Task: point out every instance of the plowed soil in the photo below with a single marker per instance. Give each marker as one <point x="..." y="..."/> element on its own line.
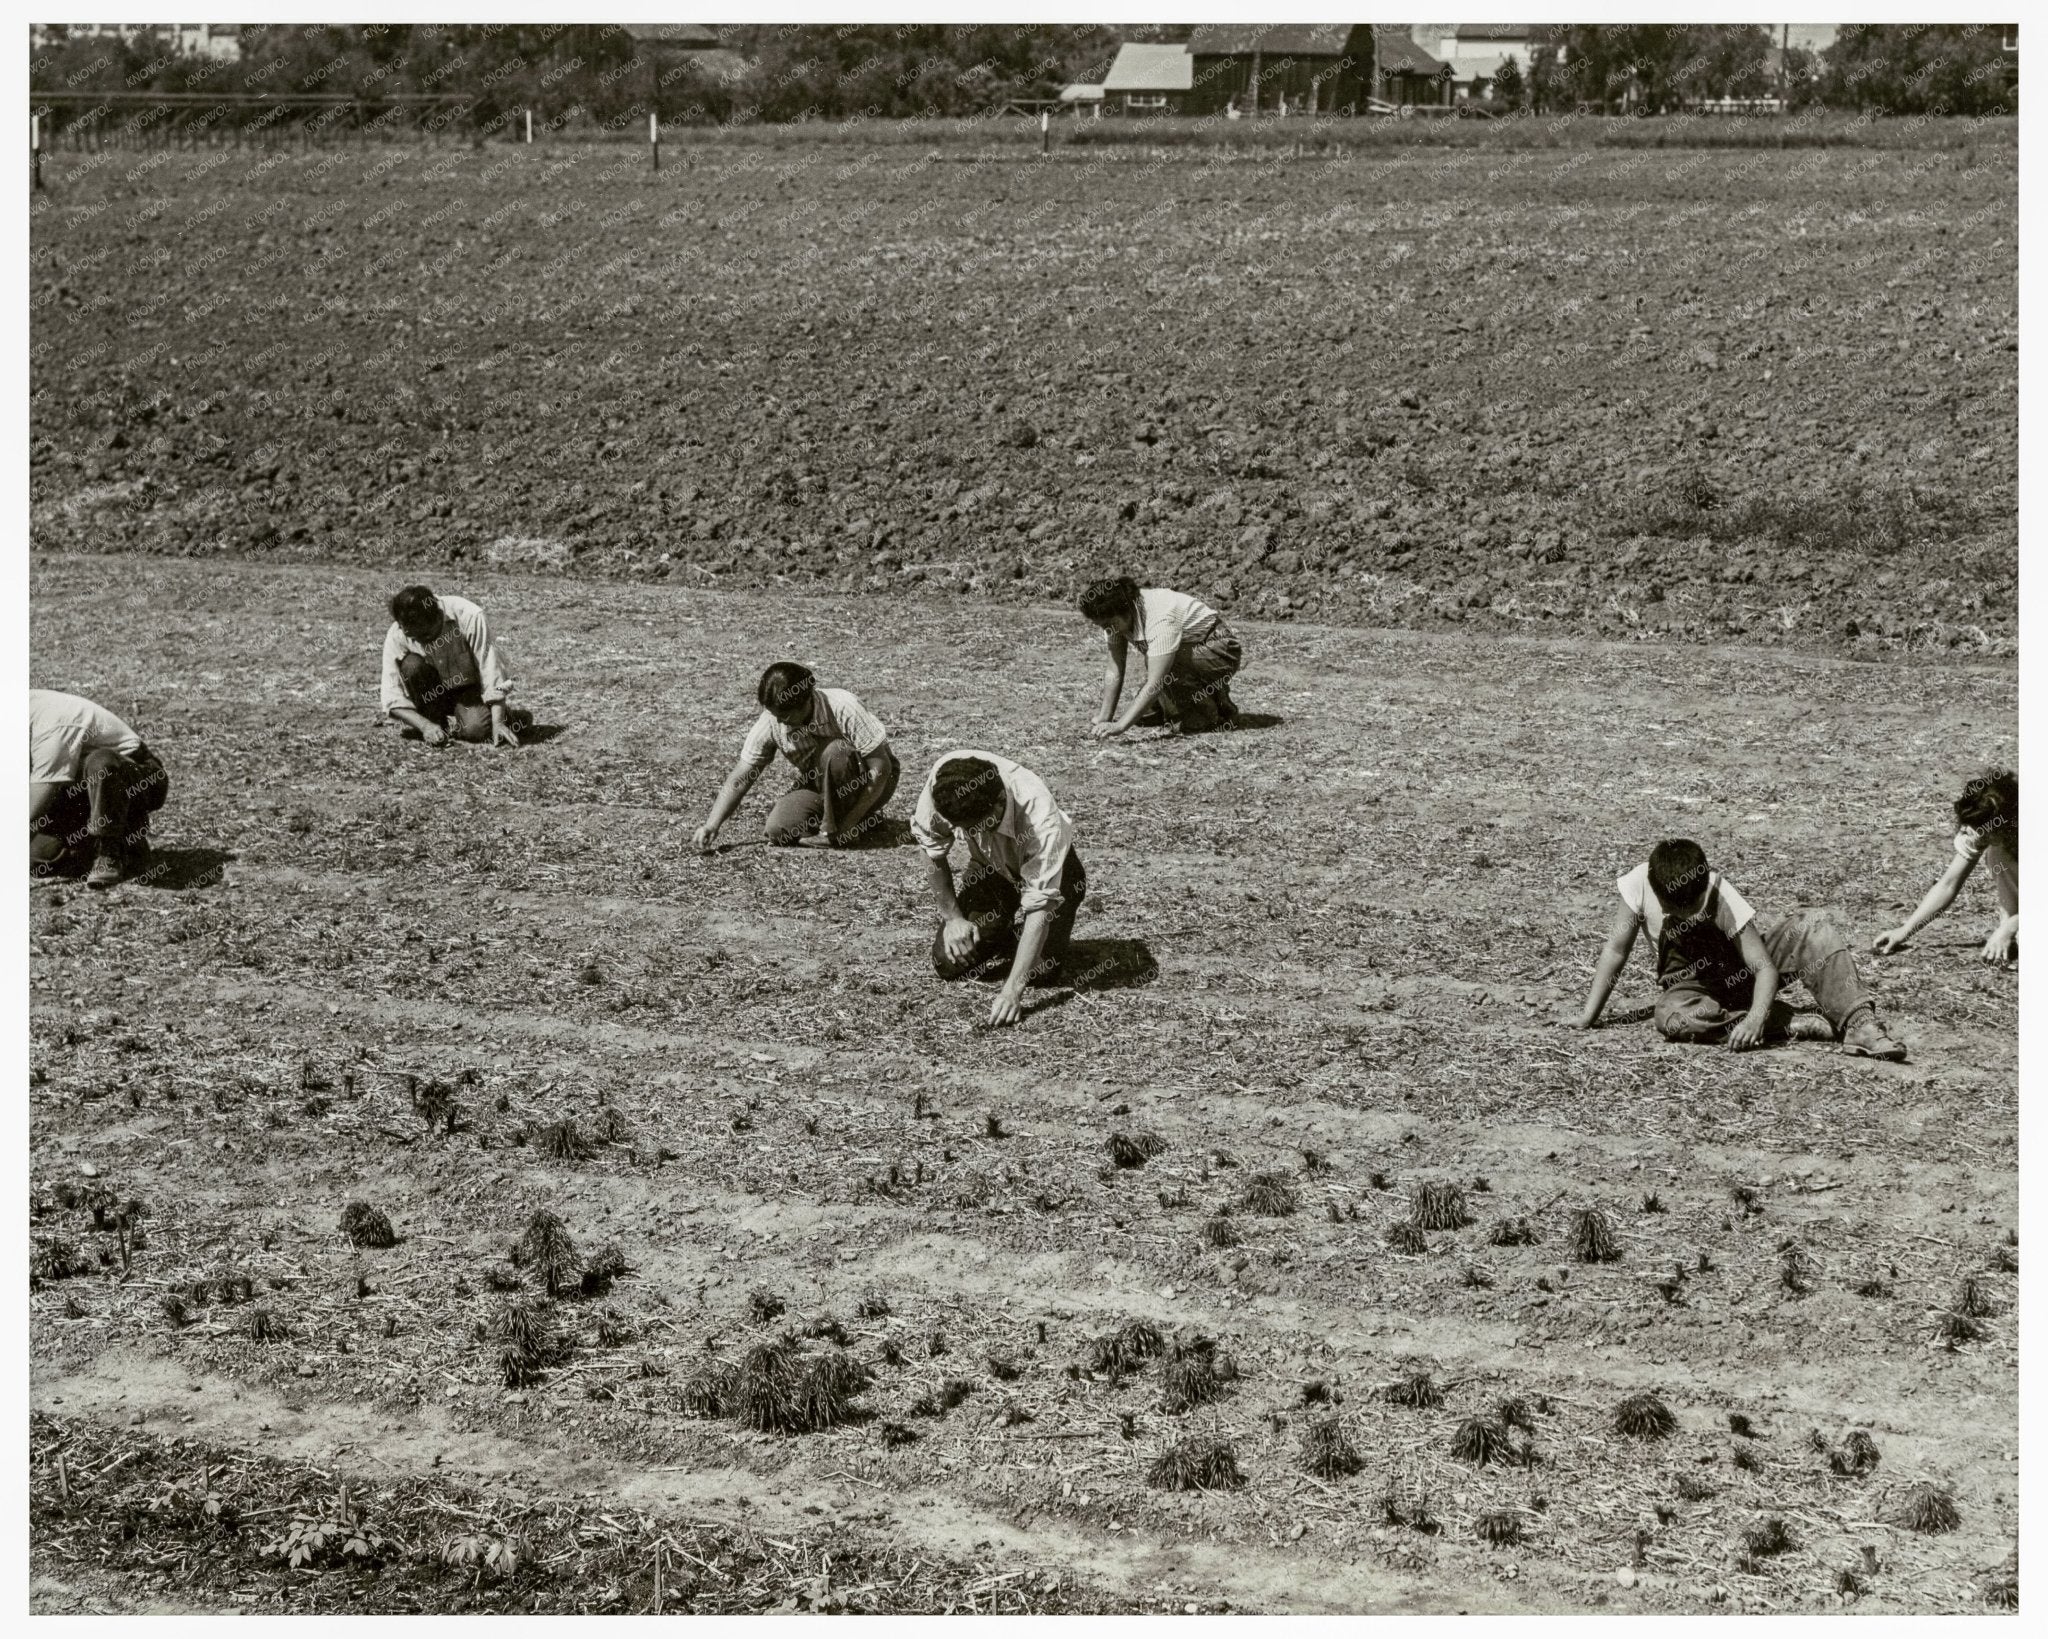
<point x="1329" y="946"/>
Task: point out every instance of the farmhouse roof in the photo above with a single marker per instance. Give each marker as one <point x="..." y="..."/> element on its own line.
<point x="679" y="36"/>
<point x="721" y="65"/>
<point x="1081" y="93"/>
<point x="1397" y="54"/>
<point x="1271" y="39"/>
<point x="1150" y="68"/>
<point x="1503" y="31"/>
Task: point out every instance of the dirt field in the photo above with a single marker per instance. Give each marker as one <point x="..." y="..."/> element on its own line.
<point x="1760" y="396"/>
<point x="1344" y="929"/>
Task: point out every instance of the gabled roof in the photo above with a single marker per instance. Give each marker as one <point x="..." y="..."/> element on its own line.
<point x="1270" y="39"/>
<point x="1150" y="68"/>
<point x="1397" y="54"/>
<point x="1503" y="31"/>
<point x="678" y="36"/>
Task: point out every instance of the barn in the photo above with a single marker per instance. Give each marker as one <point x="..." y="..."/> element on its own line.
<point x="1280" y="68"/>
<point x="1407" y="76"/>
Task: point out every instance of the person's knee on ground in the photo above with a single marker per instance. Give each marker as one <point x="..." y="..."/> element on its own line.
<point x="796" y="815"/>
<point x="471" y="723"/>
<point x="1690" y="1018"/>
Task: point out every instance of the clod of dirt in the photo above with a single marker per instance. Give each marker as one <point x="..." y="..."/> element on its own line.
<point x="1501" y="1528"/>
<point x="1591" y="1237"/>
<point x="547" y="1248"/>
<point x="1644" y="1417"/>
<point x="1196" y="1464"/>
<point x="1512" y="1232"/>
<point x="1407" y="1238"/>
<point x="603" y="1266"/>
<point x="1929" y="1509"/>
<point x="1128" y="1150"/>
<point x="1326" y="1453"/>
<point x="1417" y="1390"/>
<point x="1270" y="1194"/>
<point x="1438" y="1206"/>
<point x="175" y="1309"/>
<point x="764" y="1305"/>
<point x="366" y="1226"/>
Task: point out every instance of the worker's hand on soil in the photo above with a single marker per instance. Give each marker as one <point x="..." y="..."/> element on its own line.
<point x="2000" y="946"/>
<point x="1104" y="731"/>
<point x="958" y="938"/>
<point x="504" y="734"/>
<point x="1894" y="939"/>
<point x="1007" y="1008"/>
<point x="1745" y="1034"/>
<point x="705" y="839"/>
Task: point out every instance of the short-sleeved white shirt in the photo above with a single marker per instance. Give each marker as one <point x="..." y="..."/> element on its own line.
<point x="835" y="715"/>
<point x="62" y="728"/>
<point x="1731" y="911"/>
<point x="1999" y="848"/>
<point x="1167" y="619"/>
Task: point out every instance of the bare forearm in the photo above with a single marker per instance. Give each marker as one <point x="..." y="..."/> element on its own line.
<point x="412" y="719"/>
<point x="869" y="797"/>
<point x="1112" y="686"/>
<point x="1030" y="942"/>
<point x="1604" y="975"/>
<point x="730" y="796"/>
<point x="1938" y="899"/>
<point x="939" y="874"/>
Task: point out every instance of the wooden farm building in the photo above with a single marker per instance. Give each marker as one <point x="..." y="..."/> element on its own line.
<point x="1149" y="79"/>
<point x="1280" y="68"/>
<point x="1407" y="76"/>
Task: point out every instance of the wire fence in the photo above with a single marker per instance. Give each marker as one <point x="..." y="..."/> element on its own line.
<point x="87" y="121"/>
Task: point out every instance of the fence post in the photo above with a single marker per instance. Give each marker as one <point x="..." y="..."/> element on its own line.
<point x="529" y="128"/>
<point x="1044" y="132"/>
<point x="35" y="149"/>
<point x="654" y="136"/>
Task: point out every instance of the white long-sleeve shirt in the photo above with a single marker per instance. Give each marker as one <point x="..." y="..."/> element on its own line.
<point x="476" y="632"/>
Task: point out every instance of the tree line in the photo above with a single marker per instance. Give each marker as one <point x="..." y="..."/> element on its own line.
<point x="601" y="75"/>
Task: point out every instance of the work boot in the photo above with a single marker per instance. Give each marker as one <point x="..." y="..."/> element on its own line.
<point x="1865" y="1038"/>
<point x="106" y="866"/>
<point x="1226" y="708"/>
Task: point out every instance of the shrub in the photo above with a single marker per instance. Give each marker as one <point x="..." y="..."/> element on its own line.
<point x="777" y="1390"/>
<point x="550" y="1251"/>
<point x="1407" y="1238"/>
<point x="1188" y="1380"/>
<point x="1126" y="1150"/>
<point x="1480" y="1440"/>
<point x="1512" y="1232"/>
<point x="1415" y="1389"/>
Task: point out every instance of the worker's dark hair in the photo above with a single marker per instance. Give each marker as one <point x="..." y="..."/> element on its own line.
<point x="415" y="608"/>
<point x="968" y="792"/>
<point x="786" y="684"/>
<point x="1678" y="870"/>
<point x="1103" y="600"/>
<point x="1991" y="799"/>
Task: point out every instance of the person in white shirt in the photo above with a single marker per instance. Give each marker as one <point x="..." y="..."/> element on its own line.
<point x="1190" y="657"/>
<point x="845" y="769"/>
<point x="1987" y="830"/>
<point x="92" y="785"/>
<point x="1718" y="974"/>
<point x="1022" y="865"/>
<point x="444" y="676"/>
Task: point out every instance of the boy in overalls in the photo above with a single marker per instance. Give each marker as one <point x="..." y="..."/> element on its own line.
<point x="443" y="676"/>
<point x="1718" y="974"/>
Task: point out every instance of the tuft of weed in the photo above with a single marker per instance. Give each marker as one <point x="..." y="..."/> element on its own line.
<point x="1973" y="1298"/>
<point x="1929" y="1509"/>
<point x="1797" y="1270"/>
<point x="1480" y="1441"/>
<point x="1652" y="1204"/>
<point x="1954" y="1329"/>
<point x="1407" y="1238"/>
<point x="1514" y="1412"/>
<point x="1379" y="1180"/>
<point x="892" y="1352"/>
<point x="1501" y="1528"/>
<point x="1857" y="1456"/>
<point x="562" y="1141"/>
<point x="1326" y="1452"/>
<point x="954" y="1391"/>
<point x="502" y="1277"/>
<point x="1313" y="1162"/>
<point x="1740" y="1425"/>
<point x="2001" y="1585"/>
<point x="524" y="1337"/>
<point x="1128" y="1150"/>
<point x="992" y="1125"/>
<point x="1511" y="1232"/>
<point x="1271" y="1195"/>
<point x="1767" y="1538"/>
<point x="1416" y="1390"/>
<point x="1644" y="1417"/>
<point x="1438" y="1206"/>
<point x="1315" y="1393"/>
<point x="1695" y="1487"/>
<point x="1871" y="1286"/>
<point x="1125" y="1350"/>
<point x="1746" y="1198"/>
<point x="873" y="1305"/>
<point x="764" y="1305"/>
<point x="1745" y="1458"/>
<point x="777" y="1389"/>
<point x="1003" y="1369"/>
<point x="1848" y="1582"/>
<point x="1219" y="1231"/>
<point x="1475" y="1277"/>
<point x="1591" y="1237"/>
<point x="610" y="1126"/>
<point x="898" y="1434"/>
<point x="50" y="1260"/>
<point x="1189" y="1379"/>
<point x="264" y="1327"/>
<point x="549" y="1250"/>
<point x="176" y="1310"/>
<point x="433" y="1101"/>
<point x="2005" y="1260"/>
<point x="613" y="1329"/>
<point x="1196" y="1464"/>
<point x="366" y="1226"/>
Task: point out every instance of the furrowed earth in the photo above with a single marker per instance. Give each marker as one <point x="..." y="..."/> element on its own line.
<point x="1346" y="929"/>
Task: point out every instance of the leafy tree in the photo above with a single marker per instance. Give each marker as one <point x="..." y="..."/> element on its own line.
<point x="1921" y="68"/>
<point x="1508" y="88"/>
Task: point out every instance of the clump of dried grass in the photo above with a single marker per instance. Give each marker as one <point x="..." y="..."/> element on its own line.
<point x="764" y="1305"/>
<point x="1644" y="1417"/>
<point x="1929" y="1509"/>
<point x="1480" y="1441"/>
<point x="1797" y="1269"/>
<point x="1501" y="1528"/>
<point x="1271" y="1195"/>
<point x="525" y="1340"/>
<point x="873" y="1305"/>
<point x="549" y="1250"/>
<point x="1512" y="1232"/>
<point x="1407" y="1238"/>
<point x="1415" y="1389"/>
<point x="1219" y="1231"/>
<point x="1196" y="1464"/>
<point x="777" y="1389"/>
<point x="2001" y="1584"/>
<point x="1438" y="1206"/>
<point x="1326" y="1452"/>
<point x="1134" y="1150"/>
<point x="562" y="1141"/>
<point x="1125" y="1350"/>
<point x="1189" y="1379"/>
<point x="1857" y="1456"/>
<point x="1591" y="1237"/>
<point x="264" y="1327"/>
<point x="1973" y="1298"/>
<point x="366" y="1226"/>
<point x="1765" y="1539"/>
<point x="1695" y="1487"/>
<point x="600" y="1269"/>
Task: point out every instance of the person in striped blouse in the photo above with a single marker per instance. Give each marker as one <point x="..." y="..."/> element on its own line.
<point x="1190" y="653"/>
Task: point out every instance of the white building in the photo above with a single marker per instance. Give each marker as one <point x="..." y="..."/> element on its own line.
<point x="218" y="40"/>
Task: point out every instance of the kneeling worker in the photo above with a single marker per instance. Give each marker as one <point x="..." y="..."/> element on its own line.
<point x="443" y="674"/>
<point x="92" y="785"/>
